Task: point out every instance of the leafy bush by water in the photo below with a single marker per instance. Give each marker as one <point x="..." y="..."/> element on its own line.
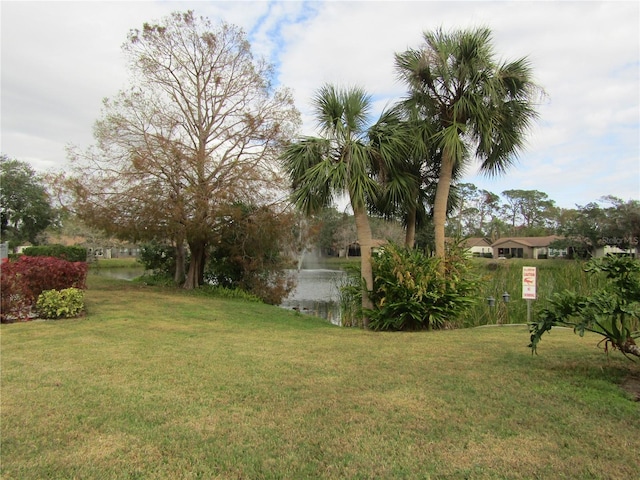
<point x="409" y="293"/>
<point x="158" y="257"/>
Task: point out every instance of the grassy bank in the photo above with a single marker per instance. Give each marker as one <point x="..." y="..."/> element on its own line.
<point x="157" y="383"/>
<point x="116" y="263"/>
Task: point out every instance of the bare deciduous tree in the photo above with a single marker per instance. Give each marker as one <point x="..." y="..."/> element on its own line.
<point x="201" y="126"/>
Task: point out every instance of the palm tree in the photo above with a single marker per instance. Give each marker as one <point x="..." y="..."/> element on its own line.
<point x="341" y="161"/>
<point x="402" y="176"/>
<point x="411" y="180"/>
<point x="477" y="105"/>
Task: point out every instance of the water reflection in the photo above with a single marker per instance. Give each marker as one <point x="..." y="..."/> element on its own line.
<point x="317" y="293"/>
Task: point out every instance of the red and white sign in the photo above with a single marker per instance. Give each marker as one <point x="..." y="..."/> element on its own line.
<point x="529" y="281"/>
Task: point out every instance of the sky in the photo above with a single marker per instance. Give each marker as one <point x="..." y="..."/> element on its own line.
<point x="60" y="59"/>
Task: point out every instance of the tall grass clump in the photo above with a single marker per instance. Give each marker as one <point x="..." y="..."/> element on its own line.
<point x="350" y="298"/>
<point x="505" y="276"/>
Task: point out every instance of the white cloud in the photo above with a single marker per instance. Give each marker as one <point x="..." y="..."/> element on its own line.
<point x="59" y="59"/>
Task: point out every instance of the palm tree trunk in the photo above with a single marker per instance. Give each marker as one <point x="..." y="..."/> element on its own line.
<point x="410" y="234"/>
<point x="363" y="230"/>
<point x="629" y="346"/>
<point x="440" y="204"/>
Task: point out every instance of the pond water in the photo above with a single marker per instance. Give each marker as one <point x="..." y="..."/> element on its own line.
<point x="317" y="293"/>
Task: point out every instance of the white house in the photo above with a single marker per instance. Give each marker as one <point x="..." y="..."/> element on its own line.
<point x="478" y="247"/>
<point x="613" y="250"/>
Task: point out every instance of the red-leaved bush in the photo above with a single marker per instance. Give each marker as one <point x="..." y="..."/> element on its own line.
<point x="23" y="280"/>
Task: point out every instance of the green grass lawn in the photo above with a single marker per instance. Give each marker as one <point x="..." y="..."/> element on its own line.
<point x="129" y="262"/>
<point x="160" y="384"/>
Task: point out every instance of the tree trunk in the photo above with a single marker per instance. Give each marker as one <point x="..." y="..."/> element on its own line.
<point x="630" y="347"/>
<point x="459" y="232"/>
<point x="178" y="277"/>
<point x="410" y="234"/>
<point x="195" y="275"/>
<point x="363" y="230"/>
<point x="440" y="204"/>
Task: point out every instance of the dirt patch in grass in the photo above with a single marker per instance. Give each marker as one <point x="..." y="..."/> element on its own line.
<point x="631" y="385"/>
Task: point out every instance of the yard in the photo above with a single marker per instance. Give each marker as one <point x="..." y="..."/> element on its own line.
<point x="165" y="384"/>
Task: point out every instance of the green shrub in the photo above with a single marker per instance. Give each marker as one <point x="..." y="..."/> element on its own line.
<point x="409" y="292"/>
<point x="22" y="281"/>
<point x="71" y="254"/>
<point x="612" y="311"/>
<point x="159" y="258"/>
<point x="247" y="253"/>
<point x="60" y="303"/>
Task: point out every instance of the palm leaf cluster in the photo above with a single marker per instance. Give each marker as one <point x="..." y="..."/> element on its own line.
<point x="471" y="105"/>
<point x="341" y="159"/>
<point x="461" y="103"/>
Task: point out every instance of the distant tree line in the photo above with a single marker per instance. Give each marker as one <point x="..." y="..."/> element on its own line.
<point x="29" y="211"/>
<point x="515" y="213"/>
<point x="523" y="213"/>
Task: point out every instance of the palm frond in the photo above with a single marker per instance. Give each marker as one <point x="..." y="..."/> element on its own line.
<point x="298" y="157"/>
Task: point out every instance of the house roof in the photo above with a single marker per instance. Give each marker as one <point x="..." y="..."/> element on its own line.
<point x="470" y="242"/>
<point x="527" y="241"/>
<point x="476" y="242"/>
<point x="67" y="240"/>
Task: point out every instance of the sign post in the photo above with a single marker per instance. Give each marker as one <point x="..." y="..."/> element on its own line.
<point x="529" y="283"/>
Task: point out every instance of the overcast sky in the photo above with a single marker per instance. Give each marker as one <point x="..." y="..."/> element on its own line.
<point x="60" y="59"/>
